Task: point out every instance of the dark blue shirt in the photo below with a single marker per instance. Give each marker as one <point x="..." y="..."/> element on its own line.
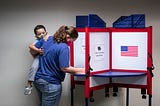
<point x="55" y="57"/>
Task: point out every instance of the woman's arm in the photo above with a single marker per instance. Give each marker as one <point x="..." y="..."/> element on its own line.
<point x="73" y="70"/>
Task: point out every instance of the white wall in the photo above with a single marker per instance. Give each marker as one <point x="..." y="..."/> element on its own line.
<point x="19" y="17"/>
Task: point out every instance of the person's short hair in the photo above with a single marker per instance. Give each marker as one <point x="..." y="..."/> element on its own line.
<point x="38" y="27"/>
<point x="60" y="35"/>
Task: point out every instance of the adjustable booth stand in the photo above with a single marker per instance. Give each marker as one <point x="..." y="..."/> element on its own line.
<point x="112" y="57"/>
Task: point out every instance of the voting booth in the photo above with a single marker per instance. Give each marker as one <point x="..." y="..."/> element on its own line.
<point x="112" y="57"/>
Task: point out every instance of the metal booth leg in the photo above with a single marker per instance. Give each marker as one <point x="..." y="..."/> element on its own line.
<point x="127" y="96"/>
<point x="150" y="100"/>
<point x="86" y="101"/>
<point x="72" y="97"/>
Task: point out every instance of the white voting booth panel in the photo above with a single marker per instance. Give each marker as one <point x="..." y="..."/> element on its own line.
<point x="129" y="50"/>
<point x="79" y="50"/>
<point x="99" y="51"/>
<point x="138" y="80"/>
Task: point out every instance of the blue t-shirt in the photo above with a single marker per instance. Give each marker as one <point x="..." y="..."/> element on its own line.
<point x="55" y="57"/>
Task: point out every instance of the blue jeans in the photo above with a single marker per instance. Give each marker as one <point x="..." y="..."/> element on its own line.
<point x="49" y="94"/>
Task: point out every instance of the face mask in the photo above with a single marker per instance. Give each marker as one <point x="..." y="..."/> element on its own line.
<point x="68" y="43"/>
<point x="42" y="35"/>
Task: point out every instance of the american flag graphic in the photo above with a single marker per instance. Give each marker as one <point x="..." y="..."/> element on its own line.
<point x="129" y="51"/>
